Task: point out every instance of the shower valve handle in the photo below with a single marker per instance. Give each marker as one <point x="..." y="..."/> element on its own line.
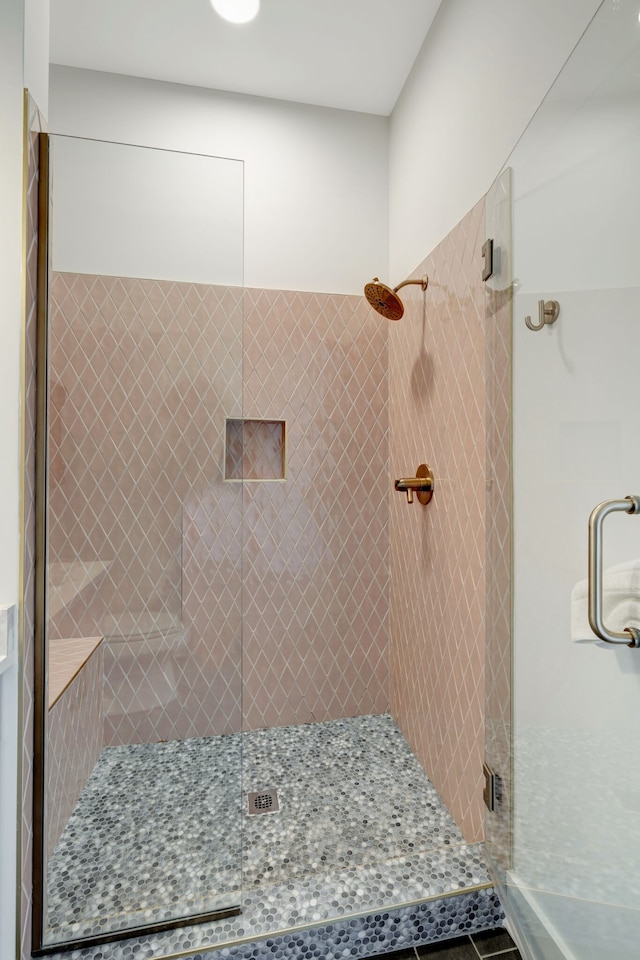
<point x="421" y="484"/>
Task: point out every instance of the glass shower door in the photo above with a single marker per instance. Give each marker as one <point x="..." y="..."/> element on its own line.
<point x="142" y="775"/>
<point x="570" y="876"/>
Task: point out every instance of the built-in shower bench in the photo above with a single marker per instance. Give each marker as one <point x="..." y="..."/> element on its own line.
<point x="75" y="725"/>
<point x="67" y="657"/>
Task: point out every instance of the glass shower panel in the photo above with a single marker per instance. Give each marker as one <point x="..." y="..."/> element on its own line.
<point x="571" y="882"/>
<point x="144" y="601"/>
<point x="498" y="662"/>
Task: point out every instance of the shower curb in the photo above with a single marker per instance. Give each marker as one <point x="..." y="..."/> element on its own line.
<point x="431" y="921"/>
<point x="428" y="921"/>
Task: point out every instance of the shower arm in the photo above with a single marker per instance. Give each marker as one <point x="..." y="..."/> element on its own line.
<point x="424" y="283"/>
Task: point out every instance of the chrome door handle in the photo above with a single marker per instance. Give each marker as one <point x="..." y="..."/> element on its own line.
<point x="630" y="637"/>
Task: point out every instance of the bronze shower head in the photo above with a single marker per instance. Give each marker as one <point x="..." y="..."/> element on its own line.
<point x="385" y="300"/>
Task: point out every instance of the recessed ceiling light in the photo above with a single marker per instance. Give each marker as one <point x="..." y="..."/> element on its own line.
<point x="236" y="11"/>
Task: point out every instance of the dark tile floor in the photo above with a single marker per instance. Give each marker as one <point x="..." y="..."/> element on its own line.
<point x="477" y="946"/>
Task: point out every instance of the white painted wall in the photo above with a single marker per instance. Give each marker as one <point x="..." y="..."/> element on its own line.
<point x="133" y="212"/>
<point x="11" y="80"/>
<point x="316" y="214"/>
<point x="317" y="180"/>
<point x="481" y="74"/>
<point x="10" y="286"/>
<point x="576" y="211"/>
<point x="36" y="52"/>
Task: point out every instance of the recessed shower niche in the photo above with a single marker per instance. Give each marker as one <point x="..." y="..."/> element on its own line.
<point x="255" y="449"/>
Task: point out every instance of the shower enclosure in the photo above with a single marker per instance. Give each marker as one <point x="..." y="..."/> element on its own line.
<point x="563" y="837"/>
<point x="217" y="596"/>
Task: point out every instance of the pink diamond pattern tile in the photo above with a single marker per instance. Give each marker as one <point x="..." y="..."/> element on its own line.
<point x="437" y="415"/>
<point x="316" y="581"/>
<point x="313" y="551"/>
<point x="234" y="450"/>
<point x="34" y="125"/>
<point x="74" y="741"/>
<point x="143" y="374"/>
<point x="212" y="604"/>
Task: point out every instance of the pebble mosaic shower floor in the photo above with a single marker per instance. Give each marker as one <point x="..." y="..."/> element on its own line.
<point x="161" y="831"/>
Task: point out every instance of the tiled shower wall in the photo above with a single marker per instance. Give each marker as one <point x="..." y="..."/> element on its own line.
<point x="316" y="577"/>
<point x="148" y="542"/>
<point x="145" y="538"/>
<point x="437" y="415"/>
<point x="316" y="556"/>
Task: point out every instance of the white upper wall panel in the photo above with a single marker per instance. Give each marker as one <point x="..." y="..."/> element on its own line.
<point x="133" y="212"/>
<point x="316" y="179"/>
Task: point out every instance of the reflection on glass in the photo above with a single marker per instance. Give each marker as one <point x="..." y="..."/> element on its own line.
<point x="576" y="780"/>
<point x="144" y="597"/>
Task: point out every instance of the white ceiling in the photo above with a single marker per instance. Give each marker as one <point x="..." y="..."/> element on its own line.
<point x="349" y="54"/>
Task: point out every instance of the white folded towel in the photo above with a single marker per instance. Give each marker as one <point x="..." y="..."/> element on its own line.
<point x="620" y="601"/>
